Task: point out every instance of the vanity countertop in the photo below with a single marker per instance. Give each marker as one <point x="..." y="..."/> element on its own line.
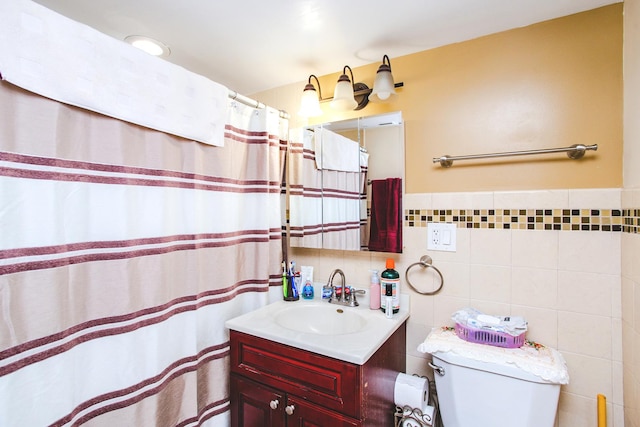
<point x="353" y="343"/>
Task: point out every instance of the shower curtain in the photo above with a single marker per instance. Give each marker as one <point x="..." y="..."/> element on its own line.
<point x="324" y="203"/>
<point x="305" y="191"/>
<point x="123" y="251"/>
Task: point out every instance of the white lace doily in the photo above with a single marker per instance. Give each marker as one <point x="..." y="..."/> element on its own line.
<point x="544" y="362"/>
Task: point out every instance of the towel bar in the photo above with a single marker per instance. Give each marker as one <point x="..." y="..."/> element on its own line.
<point x="425" y="262"/>
<point x="574" y="152"/>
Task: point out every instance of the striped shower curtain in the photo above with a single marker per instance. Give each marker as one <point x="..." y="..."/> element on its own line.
<point x="324" y="204"/>
<point x="122" y="252"/>
<point x="305" y="191"/>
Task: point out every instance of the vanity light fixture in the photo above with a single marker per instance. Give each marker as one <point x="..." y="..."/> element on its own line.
<point x="384" y="88"/>
<point x="349" y="95"/>
<point x="343" y="97"/>
<point x="149" y="45"/>
<point x="310" y="102"/>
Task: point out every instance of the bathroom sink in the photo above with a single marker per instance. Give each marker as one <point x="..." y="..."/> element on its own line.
<point x="351" y="334"/>
<point x="321" y="319"/>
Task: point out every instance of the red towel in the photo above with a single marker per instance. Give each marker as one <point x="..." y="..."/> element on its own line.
<point x="386" y="215"/>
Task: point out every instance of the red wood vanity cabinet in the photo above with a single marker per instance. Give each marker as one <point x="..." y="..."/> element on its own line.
<point x="276" y="385"/>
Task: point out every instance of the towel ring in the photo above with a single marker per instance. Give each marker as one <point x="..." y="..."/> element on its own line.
<point x="425" y="262"/>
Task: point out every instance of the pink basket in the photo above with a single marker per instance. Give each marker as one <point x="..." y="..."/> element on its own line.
<point x="484" y="336"/>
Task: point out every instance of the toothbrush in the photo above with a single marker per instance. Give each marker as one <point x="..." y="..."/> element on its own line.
<point x="284" y="279"/>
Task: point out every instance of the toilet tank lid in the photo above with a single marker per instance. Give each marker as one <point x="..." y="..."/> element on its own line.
<point x="541" y="361"/>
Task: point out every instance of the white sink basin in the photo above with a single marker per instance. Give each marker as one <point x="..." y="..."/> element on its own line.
<point x="351" y="334"/>
<point x="324" y="319"/>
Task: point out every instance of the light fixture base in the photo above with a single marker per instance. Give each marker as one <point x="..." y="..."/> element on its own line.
<point x="361" y="99"/>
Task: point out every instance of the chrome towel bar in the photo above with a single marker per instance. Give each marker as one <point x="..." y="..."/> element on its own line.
<point x="574" y="152"/>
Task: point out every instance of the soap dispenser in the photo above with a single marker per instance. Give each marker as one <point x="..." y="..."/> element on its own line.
<point x="374" y="291"/>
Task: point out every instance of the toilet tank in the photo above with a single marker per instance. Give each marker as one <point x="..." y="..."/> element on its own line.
<point x="474" y="393"/>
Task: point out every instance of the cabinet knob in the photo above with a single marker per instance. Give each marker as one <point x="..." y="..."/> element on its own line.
<point x="274" y="404"/>
<point x="289" y="409"/>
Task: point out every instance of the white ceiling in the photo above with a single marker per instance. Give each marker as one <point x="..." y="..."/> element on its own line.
<point x="254" y="45"/>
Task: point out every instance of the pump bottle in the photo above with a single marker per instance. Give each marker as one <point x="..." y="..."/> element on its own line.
<point x="374" y="291"/>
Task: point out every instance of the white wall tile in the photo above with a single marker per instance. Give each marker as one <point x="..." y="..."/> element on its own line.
<point x="418" y="366"/>
<point x="490" y="247"/>
<point x="414" y="240"/>
<point x="416" y="334"/>
<point x="588" y="375"/>
<point x="617" y="396"/>
<point x="534" y="287"/>
<point x="444" y="307"/>
<point x="456" y="279"/>
<point x="588" y="293"/>
<point x="417" y="201"/>
<point x="595" y="198"/>
<point x="422" y="308"/>
<point x="543" y="324"/>
<point x="535" y="248"/>
<point x="590" y="251"/>
<point x="576" y="411"/>
<point x="490" y="283"/>
<point x="462" y="200"/>
<point x="482" y="200"/>
<point x="546" y="199"/>
<point x="584" y="334"/>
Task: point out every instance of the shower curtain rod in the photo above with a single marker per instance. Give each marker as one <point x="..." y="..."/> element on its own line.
<point x="252" y="102"/>
<point x="574" y="152"/>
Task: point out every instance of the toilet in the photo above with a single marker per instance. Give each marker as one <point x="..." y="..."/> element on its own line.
<point x="482" y="385"/>
<point x="474" y="393"/>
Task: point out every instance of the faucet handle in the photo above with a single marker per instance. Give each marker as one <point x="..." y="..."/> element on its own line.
<point x="354" y="292"/>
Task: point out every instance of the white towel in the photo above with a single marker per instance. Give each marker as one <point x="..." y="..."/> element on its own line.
<point x="56" y="57"/>
<point x="336" y="152"/>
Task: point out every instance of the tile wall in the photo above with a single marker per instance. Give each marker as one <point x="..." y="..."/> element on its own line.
<point x="631" y="316"/>
<point x="519" y="253"/>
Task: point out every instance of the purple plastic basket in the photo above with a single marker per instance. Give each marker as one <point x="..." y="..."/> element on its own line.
<point x="484" y="336"/>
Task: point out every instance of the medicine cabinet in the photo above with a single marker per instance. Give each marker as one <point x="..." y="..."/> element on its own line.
<point x="330" y="201"/>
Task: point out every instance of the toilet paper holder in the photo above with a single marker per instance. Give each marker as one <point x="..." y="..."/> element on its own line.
<point x="408" y="416"/>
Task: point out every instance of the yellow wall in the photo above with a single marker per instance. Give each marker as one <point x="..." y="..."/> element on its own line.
<point x="548" y="85"/>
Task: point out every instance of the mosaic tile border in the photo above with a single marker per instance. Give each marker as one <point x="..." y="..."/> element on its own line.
<point x="611" y="220"/>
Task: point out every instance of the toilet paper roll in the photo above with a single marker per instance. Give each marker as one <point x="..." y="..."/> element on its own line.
<point x="427" y="415"/>
<point x="412" y="391"/>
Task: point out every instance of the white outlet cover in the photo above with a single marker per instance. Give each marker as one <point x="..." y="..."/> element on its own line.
<point x="441" y="236"/>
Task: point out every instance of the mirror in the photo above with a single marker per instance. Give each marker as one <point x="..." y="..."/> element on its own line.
<point x="345" y="184"/>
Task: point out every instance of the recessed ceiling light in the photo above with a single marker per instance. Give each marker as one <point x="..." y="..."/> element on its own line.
<point x="149" y="45"/>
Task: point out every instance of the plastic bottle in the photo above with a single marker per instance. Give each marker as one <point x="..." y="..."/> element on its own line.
<point x="390" y="277"/>
<point x="374" y="291"/>
<point x="388" y="300"/>
<point x="307" y="291"/>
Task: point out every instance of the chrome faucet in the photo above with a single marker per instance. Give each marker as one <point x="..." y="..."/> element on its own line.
<point x="343" y="298"/>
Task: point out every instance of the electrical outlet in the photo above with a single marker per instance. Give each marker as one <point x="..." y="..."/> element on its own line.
<point x="435" y="236"/>
<point x="441" y="236"/>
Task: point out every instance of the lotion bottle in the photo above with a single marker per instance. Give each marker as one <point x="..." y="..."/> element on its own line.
<point x="374" y="291"/>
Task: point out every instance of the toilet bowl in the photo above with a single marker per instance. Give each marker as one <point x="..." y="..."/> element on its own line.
<point x="474" y="393"/>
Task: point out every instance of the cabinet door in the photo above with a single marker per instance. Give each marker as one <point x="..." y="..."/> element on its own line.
<point x="301" y="413"/>
<point x="255" y="405"/>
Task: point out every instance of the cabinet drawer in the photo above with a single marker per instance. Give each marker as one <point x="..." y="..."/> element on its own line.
<point x="329" y="382"/>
